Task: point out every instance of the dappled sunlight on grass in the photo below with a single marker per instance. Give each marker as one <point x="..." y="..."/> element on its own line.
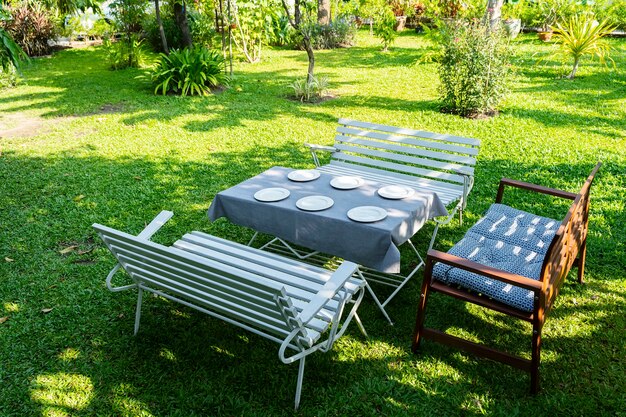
<point x="111" y="152"/>
<point x="69" y="354"/>
<point x="11" y="307"/>
<point x="62" y="393"/>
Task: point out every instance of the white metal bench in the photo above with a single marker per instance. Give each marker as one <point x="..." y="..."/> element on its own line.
<point x="390" y="155"/>
<point x="297" y="305"/>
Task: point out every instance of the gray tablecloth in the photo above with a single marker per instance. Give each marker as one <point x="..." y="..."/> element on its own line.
<point x="330" y="231"/>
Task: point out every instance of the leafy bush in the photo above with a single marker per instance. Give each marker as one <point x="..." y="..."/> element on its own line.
<point x="100" y="29"/>
<point x="189" y="71"/>
<point x="278" y="31"/>
<point x="8" y="76"/>
<point x="202" y="27"/>
<point x="339" y="33"/>
<point x="310" y="92"/>
<point x="615" y="13"/>
<point x="172" y="33"/>
<point x="31" y="27"/>
<point x="124" y="53"/>
<point x="473" y="68"/>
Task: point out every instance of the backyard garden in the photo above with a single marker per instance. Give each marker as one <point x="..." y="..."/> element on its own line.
<point x="81" y="143"/>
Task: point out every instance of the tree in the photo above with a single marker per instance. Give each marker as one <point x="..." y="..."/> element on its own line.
<point x="323" y="12"/>
<point x="493" y="13"/>
<point x="304" y="28"/>
<point x="180" y="17"/>
<point x="157" y="10"/>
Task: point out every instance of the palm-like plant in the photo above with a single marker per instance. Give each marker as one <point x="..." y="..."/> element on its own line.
<point x="581" y="36"/>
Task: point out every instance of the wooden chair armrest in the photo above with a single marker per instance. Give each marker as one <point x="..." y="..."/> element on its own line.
<point x="532" y="187"/>
<point x="336" y="282"/>
<point x="494" y="273"/>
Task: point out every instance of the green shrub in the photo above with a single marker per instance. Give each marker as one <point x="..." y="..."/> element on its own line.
<point x="191" y="71"/>
<point x="8" y="76"/>
<point x="31" y="26"/>
<point x="310" y="92"/>
<point x="172" y="33"/>
<point x="278" y="31"/>
<point x="125" y="53"/>
<point x="473" y="68"/>
<point x="202" y="28"/>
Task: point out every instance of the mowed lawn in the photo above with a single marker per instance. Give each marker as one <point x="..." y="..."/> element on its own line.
<point x="82" y="144"/>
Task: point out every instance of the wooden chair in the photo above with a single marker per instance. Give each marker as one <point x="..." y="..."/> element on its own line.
<point x="513" y="262"/>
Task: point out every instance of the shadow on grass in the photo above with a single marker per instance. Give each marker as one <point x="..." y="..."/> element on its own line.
<point x="80" y="358"/>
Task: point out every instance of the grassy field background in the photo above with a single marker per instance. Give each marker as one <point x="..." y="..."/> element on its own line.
<point x="86" y="144"/>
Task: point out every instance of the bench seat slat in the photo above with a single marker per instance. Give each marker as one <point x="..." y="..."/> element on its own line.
<point x="397" y="167"/>
<point x="439" y="145"/>
<point x="432" y="157"/>
<point x="408" y="159"/>
<point x="447" y="192"/>
<point x="297" y="290"/>
<point x="297" y="268"/>
<point x="255" y="316"/>
<point x="411" y="132"/>
<point x="244" y="285"/>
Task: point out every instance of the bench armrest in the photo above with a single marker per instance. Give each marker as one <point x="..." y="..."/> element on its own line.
<point x="315" y="147"/>
<point x="532" y="187"/>
<point x="336" y="282"/>
<point x="475" y="267"/>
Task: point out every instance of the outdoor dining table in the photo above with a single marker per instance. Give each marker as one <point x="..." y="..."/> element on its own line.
<point x="331" y="231"/>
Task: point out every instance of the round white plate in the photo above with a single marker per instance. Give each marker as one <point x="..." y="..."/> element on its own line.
<point x="346" y="182"/>
<point x="367" y="214"/>
<point x="315" y="203"/>
<point x="395" y="192"/>
<point x="271" y="194"/>
<point x="303" y="175"/>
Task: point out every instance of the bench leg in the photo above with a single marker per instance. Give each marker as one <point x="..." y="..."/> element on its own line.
<point x="299" y="383"/>
<point x="138" y="311"/>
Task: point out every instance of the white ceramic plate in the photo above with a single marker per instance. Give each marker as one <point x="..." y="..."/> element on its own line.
<point x="395" y="192"/>
<point x="367" y="214"/>
<point x="315" y="203"/>
<point x="271" y="194"/>
<point x="346" y="182"/>
<point x="303" y="175"/>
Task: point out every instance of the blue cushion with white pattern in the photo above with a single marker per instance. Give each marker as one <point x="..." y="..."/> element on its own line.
<point x="507" y="239"/>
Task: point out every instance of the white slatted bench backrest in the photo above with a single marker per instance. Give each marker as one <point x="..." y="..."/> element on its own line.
<point x="432" y="157"/>
<point x="225" y="291"/>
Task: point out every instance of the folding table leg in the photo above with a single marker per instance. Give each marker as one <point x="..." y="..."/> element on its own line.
<point x="380" y="306"/>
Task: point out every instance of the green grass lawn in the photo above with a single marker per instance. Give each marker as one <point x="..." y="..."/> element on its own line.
<point x="106" y="150"/>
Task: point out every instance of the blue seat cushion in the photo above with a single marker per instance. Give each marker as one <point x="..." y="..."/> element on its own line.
<point x="507" y="239"/>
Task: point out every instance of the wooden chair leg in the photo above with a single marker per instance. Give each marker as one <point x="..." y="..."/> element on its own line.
<point x="582" y="254"/>
<point x="421" y="309"/>
<point x="536" y="355"/>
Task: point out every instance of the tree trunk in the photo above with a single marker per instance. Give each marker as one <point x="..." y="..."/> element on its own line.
<point x="180" y="16"/>
<point x="306" y="39"/>
<point x="309" y="51"/>
<point x="494" y="13"/>
<point x="323" y="12"/>
<point x="157" y="10"/>
<point x="573" y="73"/>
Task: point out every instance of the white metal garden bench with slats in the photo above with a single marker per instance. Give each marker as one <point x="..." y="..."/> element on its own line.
<point x="440" y="163"/>
<point x="297" y="305"/>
